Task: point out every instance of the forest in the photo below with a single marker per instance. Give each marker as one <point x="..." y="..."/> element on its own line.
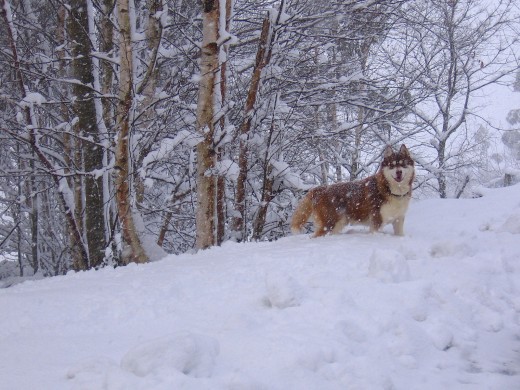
<point x="130" y="129"/>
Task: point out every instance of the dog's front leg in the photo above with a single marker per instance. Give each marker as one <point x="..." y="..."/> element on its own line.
<point x="398" y="225"/>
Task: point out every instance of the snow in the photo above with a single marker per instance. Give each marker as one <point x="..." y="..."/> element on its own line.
<point x="292" y="180"/>
<point x="19" y="117"/>
<point x="436" y="309"/>
<point x="228" y="168"/>
<point x="32" y="98"/>
<point x="162" y="16"/>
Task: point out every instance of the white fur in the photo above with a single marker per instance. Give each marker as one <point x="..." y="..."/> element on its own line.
<point x="395" y="209"/>
<point x="402" y="187"/>
<point x="340" y="225"/>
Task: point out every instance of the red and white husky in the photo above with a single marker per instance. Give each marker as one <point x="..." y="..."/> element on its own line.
<point x="375" y="201"/>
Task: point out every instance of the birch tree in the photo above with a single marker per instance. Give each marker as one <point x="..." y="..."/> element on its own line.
<point x="206" y="153"/>
<point x="133" y="250"/>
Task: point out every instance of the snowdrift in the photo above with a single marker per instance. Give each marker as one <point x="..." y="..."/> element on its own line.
<point x="436" y="309"/>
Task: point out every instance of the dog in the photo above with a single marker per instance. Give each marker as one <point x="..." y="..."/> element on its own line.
<point x="374" y="201"/>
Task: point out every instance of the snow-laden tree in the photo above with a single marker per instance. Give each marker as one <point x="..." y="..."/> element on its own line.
<point x="133" y="250"/>
<point x="446" y="53"/>
<point x="312" y="97"/>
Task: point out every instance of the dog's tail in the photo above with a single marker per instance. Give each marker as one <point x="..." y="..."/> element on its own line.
<point x="301" y="214"/>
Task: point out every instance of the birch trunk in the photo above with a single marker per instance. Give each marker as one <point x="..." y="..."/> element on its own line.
<point x="206" y="154"/>
<point x="133" y="250"/>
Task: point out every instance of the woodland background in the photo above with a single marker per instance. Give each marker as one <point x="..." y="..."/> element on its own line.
<point x="132" y="128"/>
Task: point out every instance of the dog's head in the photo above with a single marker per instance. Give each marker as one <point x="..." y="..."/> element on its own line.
<point x="398" y="169"/>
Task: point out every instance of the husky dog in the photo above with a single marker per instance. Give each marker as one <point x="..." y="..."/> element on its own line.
<point x="375" y="201"/>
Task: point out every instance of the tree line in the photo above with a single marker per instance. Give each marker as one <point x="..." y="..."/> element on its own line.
<point x="135" y="128"/>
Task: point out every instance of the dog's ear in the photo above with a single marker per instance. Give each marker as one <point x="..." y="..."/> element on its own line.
<point x="388" y="151"/>
<point x="404" y="150"/>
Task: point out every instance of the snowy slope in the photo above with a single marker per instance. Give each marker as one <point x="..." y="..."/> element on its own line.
<point x="436" y="309"/>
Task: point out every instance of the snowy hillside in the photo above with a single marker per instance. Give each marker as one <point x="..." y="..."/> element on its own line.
<point x="436" y="309"/>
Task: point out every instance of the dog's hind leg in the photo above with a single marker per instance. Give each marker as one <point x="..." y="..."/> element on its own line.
<point x="320" y="228"/>
<point x="325" y="224"/>
<point x="340" y="224"/>
<point x="301" y="214"/>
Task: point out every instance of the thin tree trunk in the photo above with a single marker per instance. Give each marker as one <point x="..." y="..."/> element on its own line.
<point x="133" y="250"/>
<point x="441" y="176"/>
<point x="32" y="197"/>
<point x="364" y="52"/>
<point x="324" y="165"/>
<point x="103" y="132"/>
<point x="34" y="219"/>
<point x="221" y="180"/>
<point x="18" y="218"/>
<point x="72" y="150"/>
<point x="169" y="214"/>
<point x="147" y="88"/>
<point x="267" y="197"/>
<point x="77" y="186"/>
<point x="358" y="131"/>
<point x="333" y="109"/>
<point x="263" y="56"/>
<point x="267" y="190"/>
<point x="106" y="45"/>
<point x="333" y="118"/>
<point x="153" y="39"/>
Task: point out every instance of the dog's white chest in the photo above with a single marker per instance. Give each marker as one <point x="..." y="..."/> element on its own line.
<point x="395" y="208"/>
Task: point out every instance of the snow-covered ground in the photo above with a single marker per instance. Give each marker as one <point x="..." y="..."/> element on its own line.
<point x="436" y="309"/>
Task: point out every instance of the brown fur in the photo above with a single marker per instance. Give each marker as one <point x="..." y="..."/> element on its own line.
<point x="368" y="201"/>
